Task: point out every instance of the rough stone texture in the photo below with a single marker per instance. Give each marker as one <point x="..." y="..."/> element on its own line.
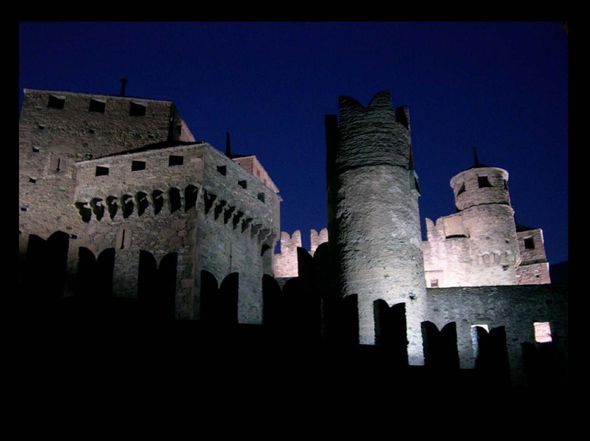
<point x="198" y="233"/>
<point x="376" y="219"/>
<point x="514" y="307"/>
<point x="534" y="268"/>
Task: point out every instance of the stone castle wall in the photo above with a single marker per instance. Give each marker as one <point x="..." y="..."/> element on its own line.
<point x="52" y="140"/>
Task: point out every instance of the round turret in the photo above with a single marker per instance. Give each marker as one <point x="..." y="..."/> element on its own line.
<point x="480" y="185"/>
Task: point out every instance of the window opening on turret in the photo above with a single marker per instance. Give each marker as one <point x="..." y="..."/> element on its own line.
<point x="483" y="181"/>
<point x="36" y="150"/>
<point x="222" y="169"/>
<point x="461" y="190"/>
<point x="529" y="243"/>
<point x="243" y="184"/>
<point x="505" y="184"/>
<point x="261" y="197"/>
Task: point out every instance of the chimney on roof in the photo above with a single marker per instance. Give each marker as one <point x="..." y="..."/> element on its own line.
<point x="123" y="85"/>
<point x="227" y="145"/>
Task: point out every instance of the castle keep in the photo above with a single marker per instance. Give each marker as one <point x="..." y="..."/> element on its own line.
<point x="118" y="200"/>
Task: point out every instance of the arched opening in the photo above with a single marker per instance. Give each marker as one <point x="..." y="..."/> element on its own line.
<point x="190" y="197"/>
<point x="85" y="212"/>
<point x="112" y="206"/>
<point x="97" y="208"/>
<point x="142" y="202"/>
<point x="158" y="200"/>
<point x="175" y="202"/>
<point x="127" y="201"/>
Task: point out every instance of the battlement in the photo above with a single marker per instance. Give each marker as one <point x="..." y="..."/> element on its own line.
<point x="285" y="263"/>
<point x="374" y="135"/>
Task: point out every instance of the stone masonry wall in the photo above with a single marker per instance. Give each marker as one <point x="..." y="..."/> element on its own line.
<point x="514" y="307"/>
<point x="237" y="229"/>
<point x="158" y="233"/>
<point x="52" y="140"/>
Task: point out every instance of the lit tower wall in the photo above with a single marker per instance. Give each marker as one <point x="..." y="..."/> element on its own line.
<point x="373" y="218"/>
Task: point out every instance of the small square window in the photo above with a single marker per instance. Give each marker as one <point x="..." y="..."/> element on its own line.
<point x="32" y="180"/>
<point x="97" y="106"/>
<point x="36" y="150"/>
<point x="56" y="102"/>
<point x="434" y="283"/>
<point x="222" y="169"/>
<point x="137" y="165"/>
<point x="243" y="184"/>
<point x="529" y="243"/>
<point x="102" y="171"/>
<point x="483" y="181"/>
<point x="261" y="197"/>
<point x="137" y="109"/>
<point x="175" y="160"/>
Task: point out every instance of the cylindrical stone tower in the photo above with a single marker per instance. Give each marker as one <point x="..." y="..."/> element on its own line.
<point x="482" y="198"/>
<point x="374" y="224"/>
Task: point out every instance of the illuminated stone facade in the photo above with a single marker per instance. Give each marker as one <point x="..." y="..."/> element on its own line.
<point x="127" y="174"/>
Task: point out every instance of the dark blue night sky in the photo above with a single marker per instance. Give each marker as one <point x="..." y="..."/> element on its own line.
<point x="502" y="87"/>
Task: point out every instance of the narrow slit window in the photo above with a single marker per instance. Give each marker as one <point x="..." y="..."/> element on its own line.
<point x="461" y="190"/>
<point x="137" y="165"/>
<point x="505" y="184"/>
<point x="529" y="243"/>
<point x="483" y="182"/>
<point x="97" y="106"/>
<point x="175" y="160"/>
<point x="56" y="102"/>
<point x="102" y="171"/>
<point x="137" y="109"/>
<point x="261" y="197"/>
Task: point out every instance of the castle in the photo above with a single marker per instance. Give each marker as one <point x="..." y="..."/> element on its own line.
<point x="118" y="199"/>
